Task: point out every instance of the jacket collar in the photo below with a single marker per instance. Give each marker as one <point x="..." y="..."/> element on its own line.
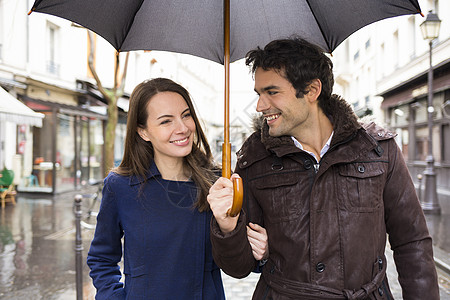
<point x="152" y="172"/>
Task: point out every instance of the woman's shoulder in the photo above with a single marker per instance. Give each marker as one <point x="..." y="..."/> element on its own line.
<point x="116" y="181"/>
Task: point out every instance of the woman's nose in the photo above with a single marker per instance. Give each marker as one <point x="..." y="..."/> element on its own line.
<point x="181" y="126"/>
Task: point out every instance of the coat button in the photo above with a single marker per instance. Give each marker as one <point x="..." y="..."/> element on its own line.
<point x="244" y="163"/>
<point x="320" y="267"/>
<point x="307" y="164"/>
<point x="380" y="291"/>
<point x="361" y="169"/>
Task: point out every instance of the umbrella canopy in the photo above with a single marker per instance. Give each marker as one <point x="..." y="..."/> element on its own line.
<point x="197" y="27"/>
<point x="222" y="31"/>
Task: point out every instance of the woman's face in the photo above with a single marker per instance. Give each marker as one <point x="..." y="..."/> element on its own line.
<point x="170" y="126"/>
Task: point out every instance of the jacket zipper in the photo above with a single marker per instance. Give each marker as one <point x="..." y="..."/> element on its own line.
<point x="316" y="167"/>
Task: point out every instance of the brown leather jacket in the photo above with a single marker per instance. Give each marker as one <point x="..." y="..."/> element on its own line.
<point x="327" y="223"/>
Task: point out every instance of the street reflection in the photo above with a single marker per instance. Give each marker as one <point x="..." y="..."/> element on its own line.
<point x="37" y="256"/>
<point x="439" y="225"/>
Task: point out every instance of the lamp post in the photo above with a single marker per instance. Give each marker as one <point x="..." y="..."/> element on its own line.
<point x="430" y="31"/>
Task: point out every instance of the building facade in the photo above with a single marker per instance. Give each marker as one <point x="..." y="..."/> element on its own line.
<point x="44" y="65"/>
<point x="382" y="70"/>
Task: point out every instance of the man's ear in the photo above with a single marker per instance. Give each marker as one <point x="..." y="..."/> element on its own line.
<point x="143" y="134"/>
<point x="314" y="89"/>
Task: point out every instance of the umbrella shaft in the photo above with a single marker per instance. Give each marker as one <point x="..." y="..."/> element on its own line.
<point x="226" y="147"/>
<point x="226" y="160"/>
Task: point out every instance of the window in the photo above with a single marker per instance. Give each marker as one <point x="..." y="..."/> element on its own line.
<point x="381" y="62"/>
<point x="400" y="116"/>
<point x="367" y="44"/>
<point x="395" y="50"/>
<point x="446" y="143"/>
<point x="52" y="51"/>
<point x="422" y="143"/>
<point x="402" y="140"/>
<point x="1" y="30"/>
<point x="412" y="37"/>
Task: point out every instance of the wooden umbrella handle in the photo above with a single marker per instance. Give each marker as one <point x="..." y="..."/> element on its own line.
<point x="238" y="196"/>
<point x="238" y="187"/>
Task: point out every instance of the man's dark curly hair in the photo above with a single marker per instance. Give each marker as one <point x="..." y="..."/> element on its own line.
<point x="299" y="62"/>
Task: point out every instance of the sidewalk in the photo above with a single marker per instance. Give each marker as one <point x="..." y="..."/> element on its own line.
<point x="37" y="256"/>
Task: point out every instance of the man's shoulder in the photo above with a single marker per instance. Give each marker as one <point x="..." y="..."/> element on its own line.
<point x="252" y="149"/>
<point x="252" y="143"/>
<point x="378" y="132"/>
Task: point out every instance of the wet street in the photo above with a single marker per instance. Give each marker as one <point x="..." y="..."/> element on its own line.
<point x="37" y="256"/>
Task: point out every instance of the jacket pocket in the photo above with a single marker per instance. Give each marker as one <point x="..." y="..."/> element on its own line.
<point x="361" y="185"/>
<point x="137" y="280"/>
<point x="278" y="196"/>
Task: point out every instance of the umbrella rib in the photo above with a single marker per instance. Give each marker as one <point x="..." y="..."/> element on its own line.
<point x="320" y="27"/>
<point x="416" y="5"/>
<point x="34" y="6"/>
<point x="129" y="26"/>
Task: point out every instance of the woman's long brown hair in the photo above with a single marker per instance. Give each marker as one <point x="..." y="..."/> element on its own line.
<point x="139" y="154"/>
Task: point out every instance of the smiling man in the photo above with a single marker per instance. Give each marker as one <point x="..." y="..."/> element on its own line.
<point x="327" y="189"/>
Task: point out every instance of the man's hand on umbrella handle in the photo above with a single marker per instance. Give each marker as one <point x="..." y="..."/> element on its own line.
<point x="220" y="199"/>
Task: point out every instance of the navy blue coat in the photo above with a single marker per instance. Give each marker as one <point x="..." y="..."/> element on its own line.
<point x="166" y="245"/>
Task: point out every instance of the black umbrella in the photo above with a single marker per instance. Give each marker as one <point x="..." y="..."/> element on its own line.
<point x="221" y="32"/>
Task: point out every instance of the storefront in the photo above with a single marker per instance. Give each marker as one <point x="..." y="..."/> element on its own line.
<point x="406" y="112"/>
<point x="67" y="150"/>
<point x="16" y="139"/>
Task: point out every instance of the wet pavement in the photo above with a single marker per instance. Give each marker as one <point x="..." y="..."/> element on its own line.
<point x="37" y="251"/>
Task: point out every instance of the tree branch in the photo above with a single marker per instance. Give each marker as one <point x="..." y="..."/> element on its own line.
<point x="92" y="67"/>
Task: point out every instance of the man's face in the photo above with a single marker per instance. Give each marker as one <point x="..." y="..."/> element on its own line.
<point x="284" y="112"/>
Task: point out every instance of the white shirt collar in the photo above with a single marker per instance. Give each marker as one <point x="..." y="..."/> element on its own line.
<point x="324" y="150"/>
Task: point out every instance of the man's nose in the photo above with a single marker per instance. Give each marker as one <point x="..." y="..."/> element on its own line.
<point x="262" y="104"/>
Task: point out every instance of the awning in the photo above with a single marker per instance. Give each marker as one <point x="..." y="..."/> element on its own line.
<point x="12" y="110"/>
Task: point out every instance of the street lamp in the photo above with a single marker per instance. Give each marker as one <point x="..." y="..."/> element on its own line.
<point x="430" y="31"/>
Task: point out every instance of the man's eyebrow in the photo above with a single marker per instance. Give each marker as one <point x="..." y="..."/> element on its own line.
<point x="270" y="87"/>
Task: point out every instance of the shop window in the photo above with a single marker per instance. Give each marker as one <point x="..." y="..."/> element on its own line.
<point x="65" y="154"/>
<point x="40" y="179"/>
<point x="96" y="149"/>
<point x="402" y="140"/>
<point x="400" y="116"/>
<point x="84" y="149"/>
<point x="119" y="146"/>
<point x="446" y="143"/>
<point x="422" y="143"/>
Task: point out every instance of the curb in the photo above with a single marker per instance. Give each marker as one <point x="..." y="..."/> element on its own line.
<point x="441" y="259"/>
<point x="442" y="265"/>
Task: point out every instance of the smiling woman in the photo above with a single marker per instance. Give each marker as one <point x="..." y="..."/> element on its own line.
<point x="170" y="128"/>
<point x="156" y="200"/>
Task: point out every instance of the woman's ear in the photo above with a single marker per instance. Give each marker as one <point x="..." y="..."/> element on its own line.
<point x="143" y="134"/>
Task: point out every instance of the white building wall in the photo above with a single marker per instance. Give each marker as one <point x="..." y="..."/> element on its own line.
<point x="27" y="52"/>
<point x="397" y="53"/>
